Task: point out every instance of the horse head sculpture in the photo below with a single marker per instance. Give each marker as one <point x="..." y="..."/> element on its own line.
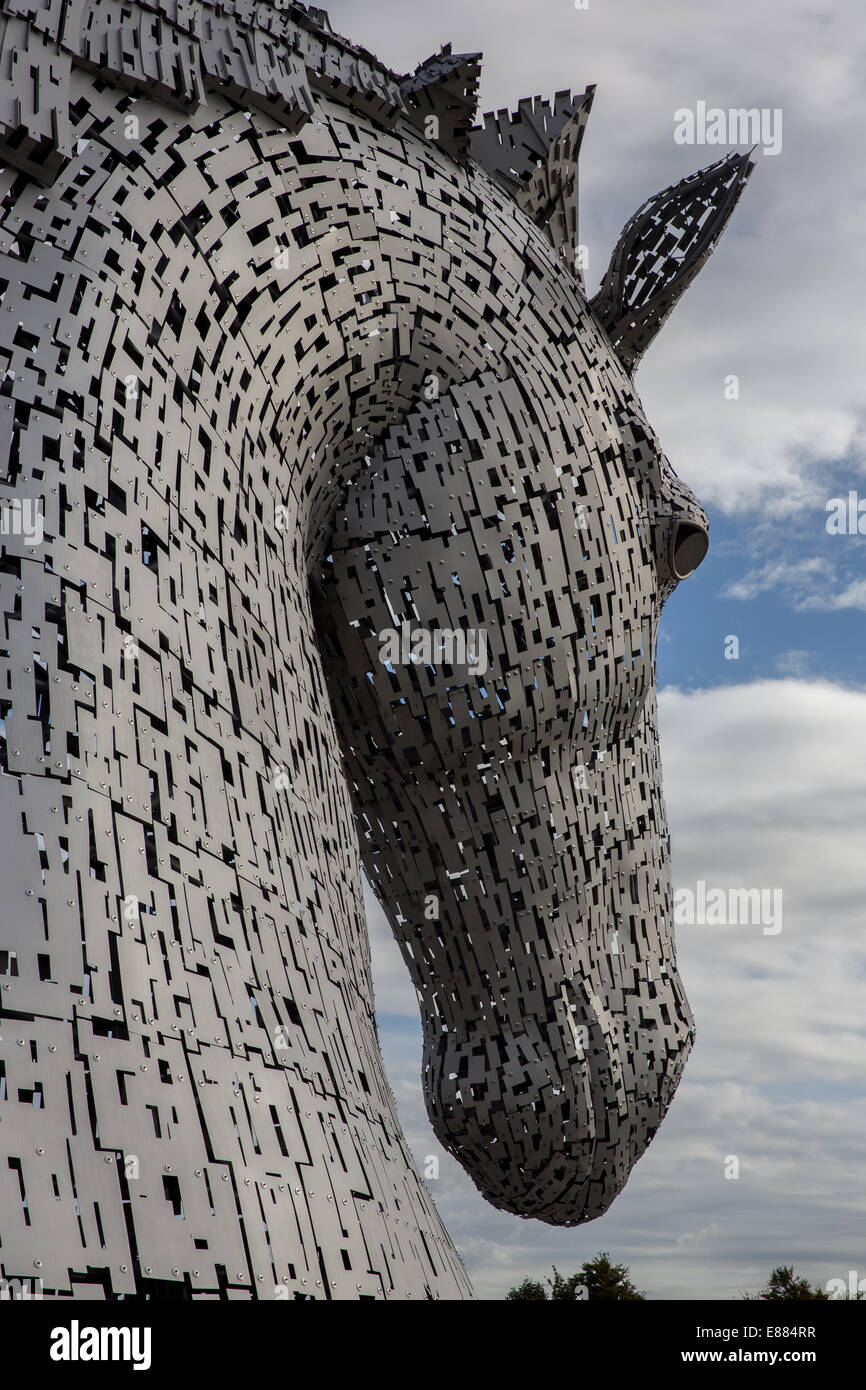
<point x="353" y="534"/>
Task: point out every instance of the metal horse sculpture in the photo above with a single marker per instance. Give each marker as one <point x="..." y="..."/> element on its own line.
<point x="298" y="366"/>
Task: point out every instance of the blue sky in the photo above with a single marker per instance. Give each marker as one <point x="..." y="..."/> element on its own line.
<point x="765" y="756"/>
<point x="789" y="627"/>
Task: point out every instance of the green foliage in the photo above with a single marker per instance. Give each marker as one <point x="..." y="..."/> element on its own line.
<point x="782" y="1286"/>
<point x="607" y="1281"/>
<point x="596" y="1279"/>
<point x="530" y="1291"/>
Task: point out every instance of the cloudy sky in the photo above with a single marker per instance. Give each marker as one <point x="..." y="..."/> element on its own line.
<point x="765" y="754"/>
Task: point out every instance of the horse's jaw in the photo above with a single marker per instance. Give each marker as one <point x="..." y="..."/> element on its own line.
<point x="551" y="1092"/>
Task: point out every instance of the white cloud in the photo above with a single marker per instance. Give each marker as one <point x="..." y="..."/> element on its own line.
<point x="799" y="579"/>
<point x="809" y="584"/>
<point x="852" y="597"/>
<point x="794" y="663"/>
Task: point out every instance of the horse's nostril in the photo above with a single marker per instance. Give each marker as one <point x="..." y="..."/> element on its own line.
<point x="689" y="545"/>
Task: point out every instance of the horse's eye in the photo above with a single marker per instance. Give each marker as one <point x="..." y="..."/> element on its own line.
<point x="689" y="545"/>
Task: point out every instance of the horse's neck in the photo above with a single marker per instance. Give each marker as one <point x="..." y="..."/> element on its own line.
<point x="202" y="843"/>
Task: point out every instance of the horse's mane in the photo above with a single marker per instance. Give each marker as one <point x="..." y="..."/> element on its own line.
<point x="281" y="59"/>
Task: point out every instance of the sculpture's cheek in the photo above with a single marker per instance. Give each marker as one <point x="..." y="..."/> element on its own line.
<point x="464" y="669"/>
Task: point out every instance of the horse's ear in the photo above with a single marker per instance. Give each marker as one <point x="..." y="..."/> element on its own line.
<point x="533" y="155"/>
<point x="441" y="98"/>
<point x="660" y="251"/>
<point x="549" y="195"/>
